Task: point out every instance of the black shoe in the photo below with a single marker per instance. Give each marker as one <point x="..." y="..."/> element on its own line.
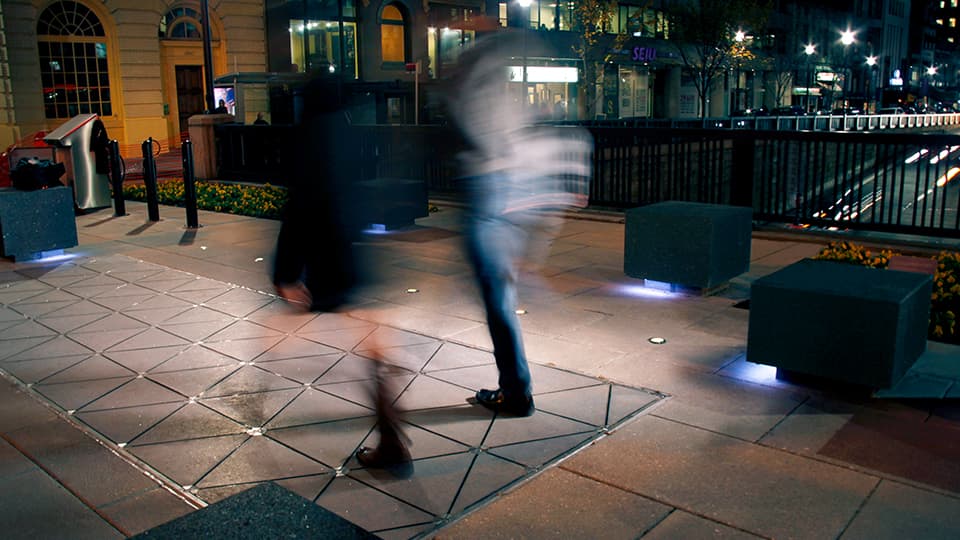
<point x="496" y="400"/>
<point x="387" y="454"/>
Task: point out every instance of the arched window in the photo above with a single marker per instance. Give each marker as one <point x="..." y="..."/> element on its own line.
<point x="392" y="37"/>
<point x="181" y="23"/>
<point x="73" y="61"/>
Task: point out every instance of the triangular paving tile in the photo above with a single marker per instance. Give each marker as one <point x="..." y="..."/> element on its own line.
<point x="121" y="425"/>
<point x="468" y="424"/>
<point x="136" y="392"/>
<point x="169" y="274"/>
<point x="332" y="443"/>
<point x="250" y="379"/>
<point x="345" y="339"/>
<point x="201" y="314"/>
<point x="42" y="308"/>
<point x="99" y="280"/>
<point x="280" y="315"/>
<point x="433" y="486"/>
<point x="162" y="301"/>
<point x="9" y="324"/>
<point x="412" y="357"/>
<point x="244" y="350"/>
<point x="198" y="296"/>
<point x="350" y="368"/>
<point x="84" y="307"/>
<point x="193" y="357"/>
<point x="54" y="296"/>
<point x="193" y="382"/>
<point x="113" y="322"/>
<point x="70" y="396"/>
<point x="259" y="459"/>
<point x="185" y="462"/>
<point x="154" y="316"/>
<point x="199" y="283"/>
<point x="488" y="475"/>
<point x="89" y="291"/>
<point x="127" y="289"/>
<point x="94" y="367"/>
<point x="143" y="360"/>
<point x="307" y="487"/>
<point x="361" y="392"/>
<point x="584" y="404"/>
<point x="149" y="339"/>
<point x="452" y="355"/>
<point x="422" y="443"/>
<point x="192" y="421"/>
<point x="118" y="303"/>
<point x="253" y="409"/>
<point x="195" y="331"/>
<point x="537" y="453"/>
<point x="216" y="494"/>
<point x="313" y="406"/>
<point x="8" y="315"/>
<point x="403" y="533"/>
<point x="295" y="347"/>
<point x="507" y="430"/>
<point x="66" y="324"/>
<point x="165" y="285"/>
<point x="626" y="401"/>
<point x="239" y="295"/>
<point x="23" y="280"/>
<point x="25" y="329"/>
<point x="243" y="330"/>
<point x="326" y="322"/>
<point x="304" y="370"/>
<point x="473" y="377"/>
<point x="42" y="347"/>
<point x="384" y="337"/>
<point x="425" y="392"/>
<point x="367" y="507"/>
<point x="548" y="379"/>
<point x="101" y="341"/>
<point x="238" y="309"/>
<point x="8" y="296"/>
<point x="136" y="276"/>
<point x="32" y="371"/>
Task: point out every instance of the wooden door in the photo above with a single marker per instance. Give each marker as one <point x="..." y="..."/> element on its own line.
<point x="189" y="93"/>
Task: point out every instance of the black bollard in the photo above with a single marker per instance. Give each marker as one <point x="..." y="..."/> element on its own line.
<point x="150" y="180"/>
<point x="116" y="177"/>
<point x="189" y="185"/>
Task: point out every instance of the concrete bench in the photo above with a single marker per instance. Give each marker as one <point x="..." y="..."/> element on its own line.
<point x="35" y="222"/>
<point x="838" y="321"/>
<point x="688" y="244"/>
<point x="393" y="202"/>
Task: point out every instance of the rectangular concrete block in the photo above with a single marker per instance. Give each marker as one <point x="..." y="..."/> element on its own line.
<point x="32" y="222"/>
<point x="840" y="321"/>
<point x="393" y="202"/>
<point x="689" y="244"/>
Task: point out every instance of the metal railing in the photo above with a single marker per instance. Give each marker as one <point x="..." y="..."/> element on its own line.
<point x="834" y="122"/>
<point x="890" y="181"/>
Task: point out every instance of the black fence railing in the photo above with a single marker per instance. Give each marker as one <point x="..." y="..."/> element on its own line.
<point x="891" y="181"/>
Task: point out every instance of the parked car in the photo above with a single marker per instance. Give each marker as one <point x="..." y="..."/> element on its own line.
<point x="846" y="110"/>
<point x="759" y="111"/>
<point x="790" y="110"/>
<point x="890" y="110"/>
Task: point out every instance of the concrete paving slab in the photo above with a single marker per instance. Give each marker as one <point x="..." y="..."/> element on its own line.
<point x="680" y="524"/>
<point x="896" y="511"/>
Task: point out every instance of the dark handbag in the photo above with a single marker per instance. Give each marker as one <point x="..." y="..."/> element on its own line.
<point x="32" y="174"/>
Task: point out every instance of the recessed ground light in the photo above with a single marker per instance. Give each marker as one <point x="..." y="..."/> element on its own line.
<point x="521" y="312"/>
<point x="204" y="248"/>
<point x="657" y="340"/>
<point x="412" y="290"/>
<point x="258" y="259"/>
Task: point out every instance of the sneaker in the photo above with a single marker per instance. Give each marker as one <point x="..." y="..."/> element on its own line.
<point x="497" y="401"/>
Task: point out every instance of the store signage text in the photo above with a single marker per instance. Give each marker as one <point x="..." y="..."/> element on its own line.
<point x="644" y="54"/>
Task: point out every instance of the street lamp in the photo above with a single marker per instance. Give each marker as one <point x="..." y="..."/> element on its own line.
<point x="525" y="4"/>
<point x="847" y="38"/>
<point x="739" y="36"/>
<point x="809" y="49"/>
<point x="872" y="83"/>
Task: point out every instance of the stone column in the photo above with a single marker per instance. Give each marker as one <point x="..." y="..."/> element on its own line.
<point x="204" y="147"/>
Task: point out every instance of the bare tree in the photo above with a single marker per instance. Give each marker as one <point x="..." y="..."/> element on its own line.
<point x="704" y="31"/>
<point x="594" y="45"/>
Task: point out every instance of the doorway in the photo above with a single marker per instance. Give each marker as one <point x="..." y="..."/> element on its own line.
<point x="189" y="94"/>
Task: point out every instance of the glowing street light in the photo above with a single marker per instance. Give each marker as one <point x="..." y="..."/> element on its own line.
<point x="932" y="70"/>
<point x="739" y="36"/>
<point x="847" y="37"/>
<point x="809" y="49"/>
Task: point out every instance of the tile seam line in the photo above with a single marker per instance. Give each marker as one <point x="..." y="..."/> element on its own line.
<point x="102" y="515"/>
<point x="136" y="464"/>
<point x="860" y="470"/>
<point x="859" y="509"/>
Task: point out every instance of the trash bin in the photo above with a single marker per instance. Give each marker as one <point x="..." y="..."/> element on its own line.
<point x="89" y="173"/>
<point x="32" y="173"/>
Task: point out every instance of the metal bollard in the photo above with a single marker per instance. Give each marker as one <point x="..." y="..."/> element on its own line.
<point x="150" y="180"/>
<point x="116" y="178"/>
<point x="189" y="185"/>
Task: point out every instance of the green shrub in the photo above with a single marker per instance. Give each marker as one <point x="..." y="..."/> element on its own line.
<point x="945" y="300"/>
<point x="264" y="201"/>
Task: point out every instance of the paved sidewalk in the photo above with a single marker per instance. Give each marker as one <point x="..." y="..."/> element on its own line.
<point x="693" y="441"/>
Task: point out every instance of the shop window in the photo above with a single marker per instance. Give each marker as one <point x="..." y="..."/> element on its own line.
<point x="73" y="61"/>
<point x="446" y="37"/>
<point x="318" y="45"/>
<point x="181" y="23"/>
<point x="393" y="44"/>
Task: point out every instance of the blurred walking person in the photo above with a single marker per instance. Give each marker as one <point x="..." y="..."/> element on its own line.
<point x="511" y="172"/>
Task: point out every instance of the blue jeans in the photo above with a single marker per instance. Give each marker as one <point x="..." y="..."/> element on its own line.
<point x="493" y="243"/>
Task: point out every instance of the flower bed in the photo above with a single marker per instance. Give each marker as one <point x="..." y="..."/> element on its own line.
<point x="264" y="201"/>
<point x="945" y="300"/>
